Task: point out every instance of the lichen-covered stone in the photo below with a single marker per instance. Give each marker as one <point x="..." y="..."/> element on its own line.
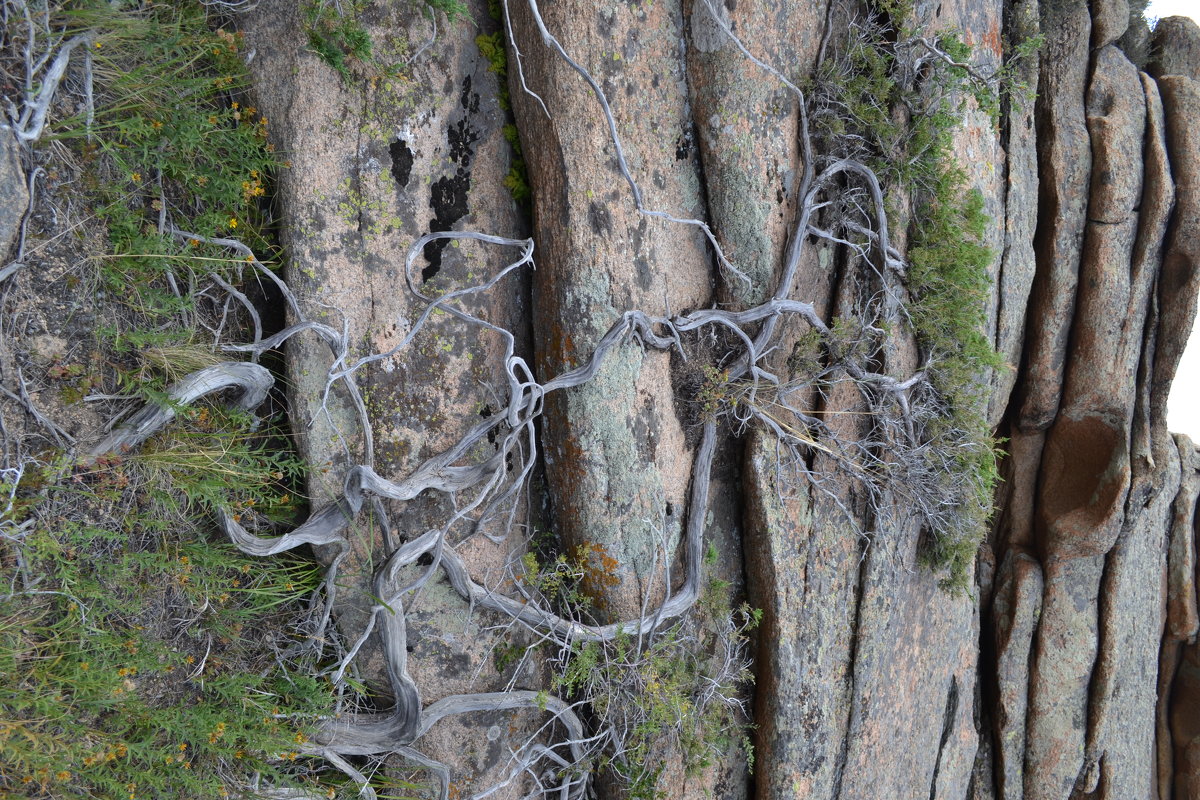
<point x="617" y="463"/>
<point x="376" y="160"/>
<point x="746" y="124"/>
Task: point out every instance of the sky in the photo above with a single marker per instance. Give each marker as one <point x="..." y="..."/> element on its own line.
<point x="1183" y="405"/>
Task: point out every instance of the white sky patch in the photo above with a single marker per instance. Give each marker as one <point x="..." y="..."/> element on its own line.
<point x="1183" y="405"/>
<point x="1172" y="8"/>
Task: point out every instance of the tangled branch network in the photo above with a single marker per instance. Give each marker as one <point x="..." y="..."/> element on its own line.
<point x="886" y="461"/>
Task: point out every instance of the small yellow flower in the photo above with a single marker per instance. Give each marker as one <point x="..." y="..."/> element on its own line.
<point x="98" y="45"/>
<point x="233" y="222"/>
<point x="136" y="177"/>
<point x="234" y="105"/>
<point x="63" y="776"/>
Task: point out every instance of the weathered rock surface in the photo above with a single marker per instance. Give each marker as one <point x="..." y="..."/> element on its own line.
<point x="1064" y="164"/>
<point x="377" y="161"/>
<point x="1071" y="669"/>
<point x="617" y="463"/>
<point x="1176" y="48"/>
<point x="14" y="196"/>
<point x="1018" y="262"/>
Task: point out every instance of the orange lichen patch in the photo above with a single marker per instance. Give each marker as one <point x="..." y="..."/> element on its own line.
<point x="599" y="570"/>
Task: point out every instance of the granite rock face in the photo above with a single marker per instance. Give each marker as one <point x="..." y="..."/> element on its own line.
<point x="1069" y="669"/>
<point x="375" y="162"/>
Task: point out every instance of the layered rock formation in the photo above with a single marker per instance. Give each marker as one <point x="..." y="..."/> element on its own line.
<point x="1071" y="668"/>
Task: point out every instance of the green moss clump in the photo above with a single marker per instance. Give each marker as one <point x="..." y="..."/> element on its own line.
<point x="492" y="48"/>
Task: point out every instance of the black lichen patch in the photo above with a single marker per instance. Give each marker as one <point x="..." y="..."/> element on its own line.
<point x="600" y="219"/>
<point x="462" y="137"/>
<point x="448" y="194"/>
<point x="402" y="162"/>
<point x="468" y="99"/>
<point x="684" y="145"/>
<point x="448" y="199"/>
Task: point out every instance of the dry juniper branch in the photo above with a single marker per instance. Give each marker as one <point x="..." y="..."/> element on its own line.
<point x="893" y="460"/>
<point x="42" y="73"/>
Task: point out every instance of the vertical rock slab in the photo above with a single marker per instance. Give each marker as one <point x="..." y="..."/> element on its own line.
<point x="1017" y="605"/>
<point x="746" y="123"/>
<point x="1064" y="654"/>
<point x="1183" y="623"/>
<point x="1064" y="166"/>
<point x="803" y="573"/>
<point x="912" y="730"/>
<point x="1124" y="695"/>
<point x="1085" y="469"/>
<point x="617" y="462"/>
<point x="1179" y="280"/>
<point x="404" y="145"/>
<point x="1121" y="711"/>
<point x="1110" y="18"/>
<point x="1180" y="624"/>
<point x="1018" y="262"/>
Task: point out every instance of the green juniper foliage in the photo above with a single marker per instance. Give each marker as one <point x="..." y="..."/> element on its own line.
<point x="872" y="106"/>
